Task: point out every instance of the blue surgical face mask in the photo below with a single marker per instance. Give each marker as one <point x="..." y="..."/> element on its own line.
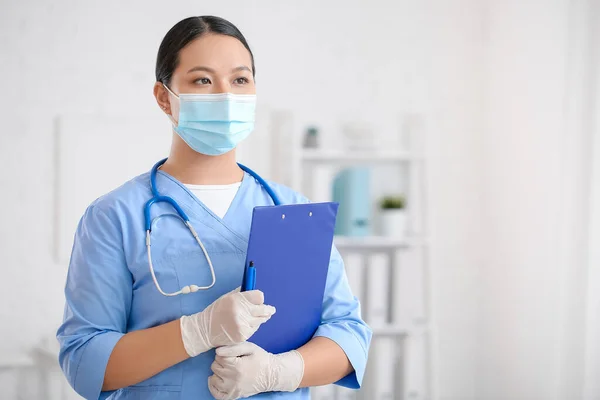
<point x="214" y="124"/>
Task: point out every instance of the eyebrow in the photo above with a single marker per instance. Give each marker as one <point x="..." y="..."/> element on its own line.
<point x="241" y="68"/>
<point x="212" y="71"/>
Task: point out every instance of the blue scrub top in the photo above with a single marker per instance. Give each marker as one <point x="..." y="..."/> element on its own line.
<point x="110" y="291"/>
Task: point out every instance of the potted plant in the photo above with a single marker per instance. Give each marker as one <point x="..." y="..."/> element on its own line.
<point x="393" y="216"/>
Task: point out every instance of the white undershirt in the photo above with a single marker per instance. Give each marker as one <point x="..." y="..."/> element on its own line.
<point x="217" y="198"/>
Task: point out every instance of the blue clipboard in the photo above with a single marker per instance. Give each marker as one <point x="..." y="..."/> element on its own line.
<point x="289" y="250"/>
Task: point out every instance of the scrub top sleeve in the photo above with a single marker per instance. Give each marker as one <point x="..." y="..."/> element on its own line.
<point x="341" y="321"/>
<point x="98" y="296"/>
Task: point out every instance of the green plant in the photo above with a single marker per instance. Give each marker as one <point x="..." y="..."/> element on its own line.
<point x="393" y="202"/>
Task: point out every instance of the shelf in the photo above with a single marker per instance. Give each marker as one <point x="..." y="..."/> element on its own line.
<point x="390" y="330"/>
<point x="376" y="243"/>
<point x="398" y="330"/>
<point x="349" y="156"/>
<point x="17" y="362"/>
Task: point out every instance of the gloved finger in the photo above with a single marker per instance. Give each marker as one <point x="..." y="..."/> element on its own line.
<point x="262" y="310"/>
<point x="219" y="369"/>
<point x="227" y="363"/>
<point x="255" y="297"/>
<point x="237" y="350"/>
<point x="214" y="386"/>
<point x="214" y="390"/>
<point x="256" y="322"/>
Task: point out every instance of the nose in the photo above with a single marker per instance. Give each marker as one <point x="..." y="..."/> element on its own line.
<point x="221" y="86"/>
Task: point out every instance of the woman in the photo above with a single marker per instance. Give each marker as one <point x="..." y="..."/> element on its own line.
<point x="126" y="333"/>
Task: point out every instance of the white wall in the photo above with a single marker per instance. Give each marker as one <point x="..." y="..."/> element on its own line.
<point x="454" y="142"/>
<point x="520" y="277"/>
<point x="536" y="171"/>
<point x="329" y="62"/>
<point x="592" y="345"/>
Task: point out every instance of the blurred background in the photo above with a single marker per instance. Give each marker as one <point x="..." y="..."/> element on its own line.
<point x="462" y="138"/>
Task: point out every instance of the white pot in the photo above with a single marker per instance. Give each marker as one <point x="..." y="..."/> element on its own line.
<point x="393" y="223"/>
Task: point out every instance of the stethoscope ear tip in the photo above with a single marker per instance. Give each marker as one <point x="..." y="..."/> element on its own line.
<point x="189" y="289"/>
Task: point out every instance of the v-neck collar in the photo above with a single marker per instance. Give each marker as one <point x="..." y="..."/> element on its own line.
<point x="169" y="186"/>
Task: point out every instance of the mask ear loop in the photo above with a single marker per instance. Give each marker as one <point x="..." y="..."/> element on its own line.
<point x="173" y="122"/>
<point x="169" y="90"/>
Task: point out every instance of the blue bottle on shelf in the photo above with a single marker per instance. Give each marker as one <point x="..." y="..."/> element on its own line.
<point x="351" y="191"/>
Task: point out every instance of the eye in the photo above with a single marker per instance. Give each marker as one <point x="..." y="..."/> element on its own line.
<point x="241" y="81"/>
<point x="203" y="81"/>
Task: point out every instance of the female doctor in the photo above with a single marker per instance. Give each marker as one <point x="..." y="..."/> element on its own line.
<point x="152" y="309"/>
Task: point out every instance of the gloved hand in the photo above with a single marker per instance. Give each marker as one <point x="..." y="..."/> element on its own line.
<point x="245" y="369"/>
<point x="230" y="319"/>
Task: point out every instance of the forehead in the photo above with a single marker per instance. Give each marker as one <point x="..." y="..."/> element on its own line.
<point x="214" y="51"/>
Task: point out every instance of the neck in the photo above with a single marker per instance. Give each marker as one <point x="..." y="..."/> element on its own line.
<point x="190" y="167"/>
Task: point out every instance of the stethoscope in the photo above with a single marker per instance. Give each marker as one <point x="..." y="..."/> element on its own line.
<point x="158" y="198"/>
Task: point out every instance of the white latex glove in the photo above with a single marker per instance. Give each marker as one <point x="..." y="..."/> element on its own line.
<point x="245" y="369"/>
<point x="230" y="319"/>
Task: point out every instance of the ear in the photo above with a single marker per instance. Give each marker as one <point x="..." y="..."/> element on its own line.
<point x="162" y="97"/>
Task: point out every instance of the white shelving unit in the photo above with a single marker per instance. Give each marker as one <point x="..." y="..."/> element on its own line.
<point x="400" y="357"/>
<point x="377" y="243"/>
<point x="354" y="157"/>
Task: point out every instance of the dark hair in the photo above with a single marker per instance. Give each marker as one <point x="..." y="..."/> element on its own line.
<point x="183" y="33"/>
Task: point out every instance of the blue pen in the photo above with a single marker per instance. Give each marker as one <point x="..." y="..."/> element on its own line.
<point x="250" y="283"/>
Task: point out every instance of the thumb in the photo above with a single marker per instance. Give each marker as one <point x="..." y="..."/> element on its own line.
<point x="236" y="290"/>
<point x="237" y="350"/>
<point x="262" y="310"/>
<point x="255" y="297"/>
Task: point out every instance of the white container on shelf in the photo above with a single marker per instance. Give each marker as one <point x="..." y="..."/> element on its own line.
<point x="393" y="222"/>
<point x="359" y="136"/>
